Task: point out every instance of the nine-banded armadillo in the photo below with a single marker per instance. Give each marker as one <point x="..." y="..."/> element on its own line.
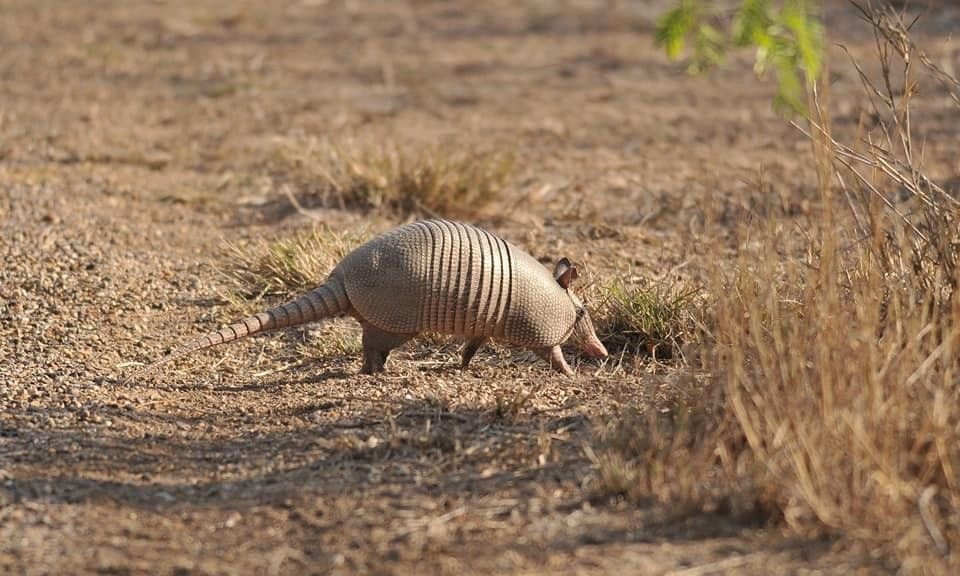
<point x="437" y="276"/>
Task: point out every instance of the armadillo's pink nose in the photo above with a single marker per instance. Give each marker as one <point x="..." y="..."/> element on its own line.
<point x="595" y="348"/>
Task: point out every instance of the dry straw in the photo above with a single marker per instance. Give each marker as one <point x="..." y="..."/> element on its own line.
<point x="835" y="398"/>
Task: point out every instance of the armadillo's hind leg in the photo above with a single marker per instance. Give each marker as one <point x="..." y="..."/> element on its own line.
<point x="470" y="348"/>
<point x="554" y="357"/>
<point x="377" y="345"/>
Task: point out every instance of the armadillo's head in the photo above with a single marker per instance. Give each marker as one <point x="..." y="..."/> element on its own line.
<point x="583" y="333"/>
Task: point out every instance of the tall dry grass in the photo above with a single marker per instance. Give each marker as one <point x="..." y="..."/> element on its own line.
<point x="842" y="368"/>
<point x="844" y="381"/>
<point x="835" y="396"/>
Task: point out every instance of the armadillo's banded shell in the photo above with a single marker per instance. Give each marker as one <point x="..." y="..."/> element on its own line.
<point x="452" y="278"/>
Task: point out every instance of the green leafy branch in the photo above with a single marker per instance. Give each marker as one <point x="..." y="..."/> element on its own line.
<point x="787" y="36"/>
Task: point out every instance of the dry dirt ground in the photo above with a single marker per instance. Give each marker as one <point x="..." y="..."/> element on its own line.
<point x="137" y="137"/>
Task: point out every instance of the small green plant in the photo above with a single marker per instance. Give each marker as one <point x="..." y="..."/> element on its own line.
<point x="650" y="321"/>
<point x="787" y="36"/>
<point x="436" y="181"/>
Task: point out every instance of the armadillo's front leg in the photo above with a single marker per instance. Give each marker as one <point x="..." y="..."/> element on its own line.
<point x="377" y="345"/>
<point x="470" y="348"/>
<point x="554" y="357"/>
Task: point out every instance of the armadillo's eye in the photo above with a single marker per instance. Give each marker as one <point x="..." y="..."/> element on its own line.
<point x="580" y="312"/>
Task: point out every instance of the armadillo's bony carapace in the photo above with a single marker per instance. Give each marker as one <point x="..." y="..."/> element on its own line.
<point x="437" y="276"/>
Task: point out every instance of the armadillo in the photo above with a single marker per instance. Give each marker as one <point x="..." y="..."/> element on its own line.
<point x="437" y="276"/>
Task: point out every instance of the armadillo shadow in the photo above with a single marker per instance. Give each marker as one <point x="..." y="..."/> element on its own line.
<point x="336" y="473"/>
<point x="415" y="450"/>
<point x="240" y="385"/>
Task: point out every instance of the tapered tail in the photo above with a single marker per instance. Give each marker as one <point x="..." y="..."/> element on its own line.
<point x="326" y="301"/>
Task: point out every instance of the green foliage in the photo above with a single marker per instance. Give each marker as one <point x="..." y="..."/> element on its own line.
<point x="654" y="320"/>
<point x="787" y="36"/>
<point x="751" y="24"/>
<point x="708" y="47"/>
<point x="674" y="26"/>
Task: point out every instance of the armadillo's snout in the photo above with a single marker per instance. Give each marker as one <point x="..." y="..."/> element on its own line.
<point x="594" y="347"/>
<point x="585" y="337"/>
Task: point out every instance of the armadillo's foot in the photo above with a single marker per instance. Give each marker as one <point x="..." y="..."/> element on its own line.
<point x="374" y="361"/>
<point x="470" y="348"/>
<point x="554" y="357"/>
<point x="377" y="345"/>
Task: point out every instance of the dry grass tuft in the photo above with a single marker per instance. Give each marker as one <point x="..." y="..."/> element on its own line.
<point x="511" y="403"/>
<point x="263" y="274"/>
<point x="335" y="337"/>
<point x="436" y="181"/>
<point x="286" y="268"/>
<point x="834" y="406"/>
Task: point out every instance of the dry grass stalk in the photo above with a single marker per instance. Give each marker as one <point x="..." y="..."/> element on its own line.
<point x="886" y="165"/>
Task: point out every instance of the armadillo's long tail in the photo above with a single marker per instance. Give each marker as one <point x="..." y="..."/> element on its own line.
<point x="327" y="300"/>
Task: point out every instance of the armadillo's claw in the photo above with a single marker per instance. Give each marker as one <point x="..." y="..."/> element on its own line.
<point x="554" y="357"/>
<point x="377" y="345"/>
<point x="469" y="349"/>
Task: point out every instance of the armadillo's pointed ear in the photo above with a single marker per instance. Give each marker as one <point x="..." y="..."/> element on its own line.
<point x="565" y="272"/>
